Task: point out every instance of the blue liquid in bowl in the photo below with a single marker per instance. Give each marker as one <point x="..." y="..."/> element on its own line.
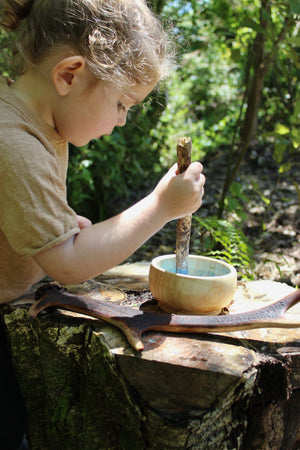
<point x="206" y="267"/>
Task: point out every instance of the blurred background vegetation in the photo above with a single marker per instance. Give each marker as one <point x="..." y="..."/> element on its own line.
<point x="235" y="88"/>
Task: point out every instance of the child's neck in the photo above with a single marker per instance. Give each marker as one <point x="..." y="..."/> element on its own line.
<point x="33" y="89"/>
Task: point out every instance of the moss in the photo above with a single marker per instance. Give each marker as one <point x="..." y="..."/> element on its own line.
<point x="77" y="396"/>
<point x="71" y="383"/>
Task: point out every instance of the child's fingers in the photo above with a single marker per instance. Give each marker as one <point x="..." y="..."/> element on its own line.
<point x="195" y="169"/>
<point x="194" y="176"/>
<point x="181" y="194"/>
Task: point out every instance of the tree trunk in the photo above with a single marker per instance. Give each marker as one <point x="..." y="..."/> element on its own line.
<point x="86" y="388"/>
<point x="262" y="62"/>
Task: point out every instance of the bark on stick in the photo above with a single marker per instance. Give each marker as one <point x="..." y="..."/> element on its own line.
<point x="184" y="148"/>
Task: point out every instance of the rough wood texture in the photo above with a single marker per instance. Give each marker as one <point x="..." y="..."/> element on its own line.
<point x="85" y="387"/>
<point x="135" y="322"/>
<point x="184" y="149"/>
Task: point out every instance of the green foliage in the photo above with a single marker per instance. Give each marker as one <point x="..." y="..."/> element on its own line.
<point x="203" y="92"/>
<point x="224" y="240"/>
<point x="237" y="200"/>
<point x="286" y="139"/>
<point x="6" y="58"/>
<point x="208" y="95"/>
<point x="157" y="5"/>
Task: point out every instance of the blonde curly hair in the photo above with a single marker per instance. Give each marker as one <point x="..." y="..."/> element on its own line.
<point x="121" y="40"/>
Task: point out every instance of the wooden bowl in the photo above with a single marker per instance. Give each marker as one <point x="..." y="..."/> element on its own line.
<point x="208" y="287"/>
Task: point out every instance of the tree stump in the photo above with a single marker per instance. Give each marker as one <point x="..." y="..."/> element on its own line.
<point x="85" y="387"/>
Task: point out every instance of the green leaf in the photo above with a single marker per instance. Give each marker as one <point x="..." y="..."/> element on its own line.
<point x="295" y="6"/>
<point x="265" y="199"/>
<point x="294" y="40"/>
<point x="232" y="203"/>
<point x="296" y="113"/>
<point x="281" y="129"/>
<point x="236" y="188"/>
<point x="285" y="167"/>
<point x="279" y="150"/>
<point x="226" y="242"/>
<point x="235" y="54"/>
<point x="250" y="23"/>
<point x="296" y="137"/>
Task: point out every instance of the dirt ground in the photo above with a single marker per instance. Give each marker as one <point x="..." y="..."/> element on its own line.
<point x="273" y="228"/>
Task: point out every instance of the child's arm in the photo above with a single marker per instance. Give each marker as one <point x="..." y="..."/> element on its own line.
<point x="102" y="246"/>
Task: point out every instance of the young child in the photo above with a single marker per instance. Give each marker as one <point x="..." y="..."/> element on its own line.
<point x="84" y="64"/>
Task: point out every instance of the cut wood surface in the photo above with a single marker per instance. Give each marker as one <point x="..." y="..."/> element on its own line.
<point x="184" y="149"/>
<point x="86" y="387"/>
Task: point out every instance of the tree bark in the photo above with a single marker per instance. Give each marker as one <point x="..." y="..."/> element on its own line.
<point x="85" y="387"/>
<point x="184" y="150"/>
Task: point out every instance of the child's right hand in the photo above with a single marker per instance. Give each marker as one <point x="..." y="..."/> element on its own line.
<point x="181" y="194"/>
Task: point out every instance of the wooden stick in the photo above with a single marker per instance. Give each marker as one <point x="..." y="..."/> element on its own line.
<point x="184" y="149"/>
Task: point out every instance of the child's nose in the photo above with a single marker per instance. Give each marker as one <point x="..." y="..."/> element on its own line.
<point x="122" y="119"/>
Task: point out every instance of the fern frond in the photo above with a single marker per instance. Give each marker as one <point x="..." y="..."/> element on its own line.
<point x="227" y="242"/>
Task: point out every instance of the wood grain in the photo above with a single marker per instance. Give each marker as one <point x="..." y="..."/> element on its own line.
<point x="184" y="149"/>
<point x="134" y="322"/>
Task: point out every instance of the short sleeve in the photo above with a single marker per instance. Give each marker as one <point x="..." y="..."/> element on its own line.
<point x="34" y="213"/>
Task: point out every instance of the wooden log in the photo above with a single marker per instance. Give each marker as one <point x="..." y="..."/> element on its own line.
<point x="86" y="387"/>
<point x="184" y="149"/>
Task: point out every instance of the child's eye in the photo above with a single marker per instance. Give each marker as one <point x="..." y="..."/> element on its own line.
<point x="121" y="106"/>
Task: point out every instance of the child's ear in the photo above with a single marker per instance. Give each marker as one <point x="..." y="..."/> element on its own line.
<point x="65" y="73"/>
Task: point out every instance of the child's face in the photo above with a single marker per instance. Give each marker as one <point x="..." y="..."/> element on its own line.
<point x="95" y="112"/>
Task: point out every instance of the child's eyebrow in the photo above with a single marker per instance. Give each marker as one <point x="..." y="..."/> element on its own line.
<point x="133" y="100"/>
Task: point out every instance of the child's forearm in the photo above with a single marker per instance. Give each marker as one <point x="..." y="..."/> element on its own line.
<point x="99" y="247"/>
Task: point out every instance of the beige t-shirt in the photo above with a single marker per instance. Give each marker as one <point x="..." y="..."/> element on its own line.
<point x="34" y="213"/>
